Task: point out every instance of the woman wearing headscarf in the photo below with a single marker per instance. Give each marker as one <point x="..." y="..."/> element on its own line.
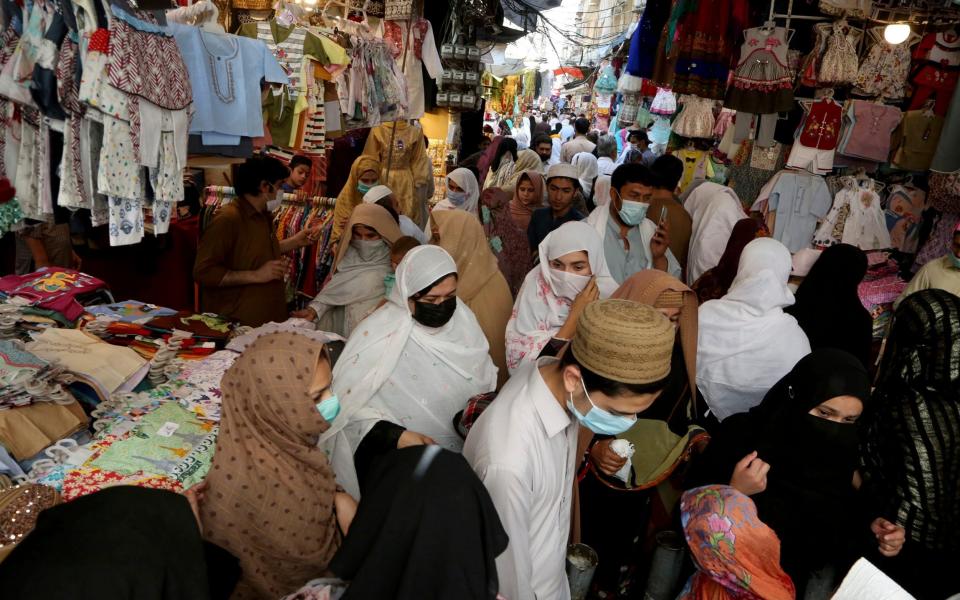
<point x="408" y="368"/>
<point x="622" y="544"/>
<point x="426" y="528"/>
<point x="571" y="274"/>
<point x="587" y="172"/>
<point x="364" y="174"/>
<point x="736" y="555"/>
<point x="462" y="192"/>
<point x="271" y="494"/>
<point x="480" y="284"/>
<point x="714" y="211"/>
<point x="796" y="455"/>
<point x="505" y="221"/>
<point x="527" y="160"/>
<point x="138" y="543"/>
<point x="828" y="306"/>
<point x="361" y="263"/>
<point x="715" y="283"/>
<point x="483" y="165"/>
<point x="911" y="449"/>
<point x="503" y="164"/>
<point x="746" y="343"/>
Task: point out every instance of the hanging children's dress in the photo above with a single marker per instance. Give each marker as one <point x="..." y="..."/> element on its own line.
<point x="762" y="83"/>
<point x="696" y="118"/>
<point x="664" y="103"/>
<point x="884" y="72"/>
<point x="839" y="65"/>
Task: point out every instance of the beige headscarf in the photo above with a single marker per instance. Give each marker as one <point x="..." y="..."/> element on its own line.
<point x="373" y="216"/>
<point x="350" y="196"/>
<point x="270" y="494"/>
<point x="480" y="283"/>
<point x="661" y="290"/>
<point x="527" y="160"/>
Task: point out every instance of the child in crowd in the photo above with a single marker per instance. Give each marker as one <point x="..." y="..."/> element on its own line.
<point x="397" y="252"/>
<point x="300" y="167"/>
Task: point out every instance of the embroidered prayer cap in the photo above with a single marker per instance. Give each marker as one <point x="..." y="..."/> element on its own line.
<point x="564" y="170"/>
<point x="376" y="193"/>
<point x="624" y="341"/>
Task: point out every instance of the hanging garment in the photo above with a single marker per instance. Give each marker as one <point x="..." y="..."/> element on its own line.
<point x="864" y="225"/>
<point x="935" y="70"/>
<point x="406" y="167"/>
<point x="819" y="135"/>
<point x="916" y="140"/>
<point x="696" y="118"/>
<point x="704" y="44"/>
<point x="664" y="103"/>
<point x="811" y="63"/>
<point x="884" y="72"/>
<point x="904" y="213"/>
<point x="762" y="81"/>
<point x="799" y="200"/>
<point x="416" y="40"/>
<point x="867" y="130"/>
<point x="839" y="65"/>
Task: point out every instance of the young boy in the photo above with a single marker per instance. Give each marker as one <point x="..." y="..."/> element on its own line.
<point x="300" y="167"/>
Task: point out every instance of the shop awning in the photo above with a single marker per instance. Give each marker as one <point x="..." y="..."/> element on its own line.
<point x="574" y="72"/>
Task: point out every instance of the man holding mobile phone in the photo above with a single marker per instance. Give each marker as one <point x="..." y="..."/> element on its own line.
<point x="632" y="241"/>
<point x="668" y="169"/>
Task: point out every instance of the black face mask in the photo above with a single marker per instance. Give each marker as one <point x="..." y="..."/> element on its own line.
<point x="434" y="315"/>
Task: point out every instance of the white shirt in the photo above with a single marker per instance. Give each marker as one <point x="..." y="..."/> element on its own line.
<point x="523" y="448"/>
<point x="408" y="227"/>
<point x="606" y="165"/>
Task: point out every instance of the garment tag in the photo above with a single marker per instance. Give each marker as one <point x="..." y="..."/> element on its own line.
<point x="167" y="429"/>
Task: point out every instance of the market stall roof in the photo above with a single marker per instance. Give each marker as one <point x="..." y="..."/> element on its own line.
<point x="574" y="72"/>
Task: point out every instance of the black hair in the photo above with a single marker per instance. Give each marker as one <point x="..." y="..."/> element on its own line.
<point x="258" y="169"/>
<point x="298" y="160"/>
<point x="668" y="169"/>
<point x="639" y="134"/>
<point x="427" y="289"/>
<point x="557" y="127"/>
<point x="633" y="173"/>
<point x="581" y="126"/>
<point x="506" y="145"/>
<point x="608" y="387"/>
<point x="385" y="203"/>
<point x="541" y="139"/>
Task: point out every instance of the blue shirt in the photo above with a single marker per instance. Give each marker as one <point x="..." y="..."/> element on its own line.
<point x="542" y="223"/>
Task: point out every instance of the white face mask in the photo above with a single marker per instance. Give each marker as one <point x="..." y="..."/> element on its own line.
<point x="367" y="249"/>
<point x="274" y="204"/>
<point x="568" y="285"/>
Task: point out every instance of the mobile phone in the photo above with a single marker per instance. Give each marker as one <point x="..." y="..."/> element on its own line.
<point x="663" y="215"/>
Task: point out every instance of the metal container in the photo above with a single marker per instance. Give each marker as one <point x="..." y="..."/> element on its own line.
<point x="581" y="565"/>
<point x="665" y="566"/>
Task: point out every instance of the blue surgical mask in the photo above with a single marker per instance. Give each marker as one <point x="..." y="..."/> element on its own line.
<point x="329" y="408"/>
<point x="456" y="198"/>
<point x="363" y="188"/>
<point x="632" y="212"/>
<point x="598" y="420"/>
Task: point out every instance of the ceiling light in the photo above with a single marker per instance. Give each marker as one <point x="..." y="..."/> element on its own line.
<point x="896" y="33"/>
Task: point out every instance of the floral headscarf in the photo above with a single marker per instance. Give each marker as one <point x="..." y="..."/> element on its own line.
<point x="737" y="555"/>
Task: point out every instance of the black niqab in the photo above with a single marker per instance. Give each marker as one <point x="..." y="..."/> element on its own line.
<point x="426" y="529"/>
<point x="828" y="306"/>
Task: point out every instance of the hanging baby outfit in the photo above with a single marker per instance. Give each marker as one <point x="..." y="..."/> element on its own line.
<point x="916" y="140"/>
<point x="839" y="64"/>
<point x="816" y="145"/>
<point x="904" y="213"/>
<point x="762" y="83"/>
<point x="936" y="69"/>
<point x="883" y="73"/>
<point x="664" y="103"/>
<point x="696" y="118"/>
<point x="867" y="130"/>
<point x="856" y="218"/>
<point x="424" y="52"/>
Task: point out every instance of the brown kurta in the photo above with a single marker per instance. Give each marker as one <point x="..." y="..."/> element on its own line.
<point x="678" y="220"/>
<point x="240" y="238"/>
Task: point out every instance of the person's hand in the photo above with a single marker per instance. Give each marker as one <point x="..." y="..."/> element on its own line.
<point x="412" y="438"/>
<point x="310" y="235"/>
<point x="660" y="242"/>
<point x="194" y="496"/>
<point x="75" y="262"/>
<point x="750" y="475"/>
<point x="346" y="508"/>
<point x="304" y="313"/>
<point x="604" y="458"/>
<point x="271" y="270"/>
<point x="890" y="537"/>
<point x="588" y="294"/>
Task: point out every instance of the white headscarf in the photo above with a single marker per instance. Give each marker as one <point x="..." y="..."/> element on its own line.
<point x="376" y="193"/>
<point x="746" y="343"/>
<point x="379" y="343"/>
<point x="468" y="183"/>
<point x="566" y="131"/>
<point x="539" y="310"/>
<point x="587" y="170"/>
<point x="601" y="190"/>
<point x="714" y="210"/>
